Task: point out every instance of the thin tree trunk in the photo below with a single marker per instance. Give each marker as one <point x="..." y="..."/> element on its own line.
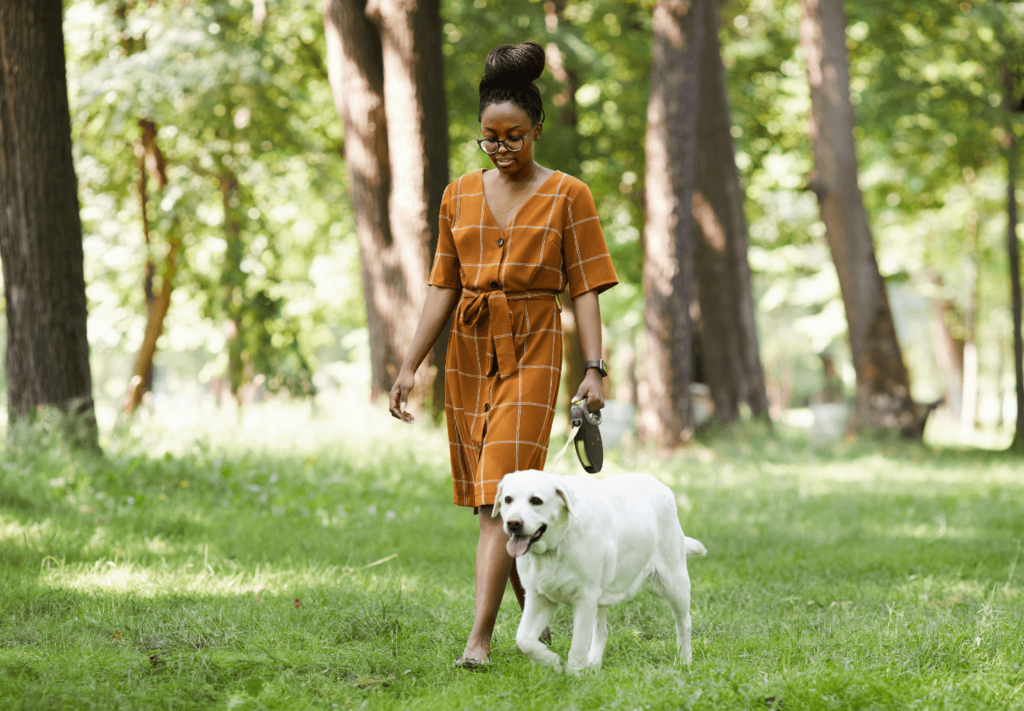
<point x="731" y="355"/>
<point x="949" y="350"/>
<point x="883" y="385"/>
<point x="396" y="217"/>
<point x="40" y="229"/>
<point x="1013" y="250"/>
<point x="554" y="16"/>
<point x="969" y="400"/>
<point x="665" y="414"/>
<point x="151" y="163"/>
<point x="233" y="280"/>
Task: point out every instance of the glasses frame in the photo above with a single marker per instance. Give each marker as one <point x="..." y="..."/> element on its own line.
<point x="501" y="142"/>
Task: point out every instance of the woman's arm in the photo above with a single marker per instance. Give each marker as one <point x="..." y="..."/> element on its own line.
<point x="588" y="323"/>
<point x="436" y="310"/>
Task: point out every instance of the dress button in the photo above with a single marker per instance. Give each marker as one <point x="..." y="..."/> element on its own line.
<point x="487" y="406"/>
<point x="501" y="242"/>
<point x="495" y="285"/>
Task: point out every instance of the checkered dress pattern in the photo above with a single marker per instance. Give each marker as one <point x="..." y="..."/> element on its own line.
<point x="504" y="357"/>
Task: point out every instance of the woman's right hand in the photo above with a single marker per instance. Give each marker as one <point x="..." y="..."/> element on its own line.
<point x="400" y="392"/>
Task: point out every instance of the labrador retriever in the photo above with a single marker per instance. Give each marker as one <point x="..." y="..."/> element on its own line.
<point x="590" y="543"/>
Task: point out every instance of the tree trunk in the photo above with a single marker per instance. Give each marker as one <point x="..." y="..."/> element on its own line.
<point x="949" y="350"/>
<point x="568" y="138"/>
<point x="1013" y="250"/>
<point x="233" y="280"/>
<point x="883" y="385"/>
<point x="394" y="244"/>
<point x="665" y="414"/>
<point x="416" y="115"/>
<point x="731" y="356"/>
<point x="969" y="399"/>
<point x="151" y="163"/>
<point x="40" y="229"/>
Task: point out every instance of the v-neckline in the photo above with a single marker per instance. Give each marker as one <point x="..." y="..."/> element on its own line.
<point x="504" y="232"/>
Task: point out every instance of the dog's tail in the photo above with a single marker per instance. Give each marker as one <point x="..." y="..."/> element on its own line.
<point x="693" y="547"/>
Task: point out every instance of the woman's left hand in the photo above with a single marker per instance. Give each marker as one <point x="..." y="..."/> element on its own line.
<point x="591" y="390"/>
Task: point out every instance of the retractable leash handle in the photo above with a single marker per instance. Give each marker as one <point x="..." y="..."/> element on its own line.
<point x="589" y="449"/>
<point x="585" y="437"/>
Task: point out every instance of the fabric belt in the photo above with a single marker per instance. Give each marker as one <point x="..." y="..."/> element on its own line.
<point x="493" y="306"/>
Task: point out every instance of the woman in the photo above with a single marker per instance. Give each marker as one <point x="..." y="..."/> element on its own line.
<point x="511" y="240"/>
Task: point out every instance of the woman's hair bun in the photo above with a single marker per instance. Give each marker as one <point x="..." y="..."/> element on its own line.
<point x="513" y="66"/>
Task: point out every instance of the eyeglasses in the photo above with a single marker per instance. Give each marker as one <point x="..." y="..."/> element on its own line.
<point x="490" y="146"/>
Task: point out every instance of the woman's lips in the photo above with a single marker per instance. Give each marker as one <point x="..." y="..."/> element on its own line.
<point x="504" y="161"/>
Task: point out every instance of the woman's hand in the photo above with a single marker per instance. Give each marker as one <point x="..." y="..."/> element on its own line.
<point x="591" y="390"/>
<point x="400" y="392"/>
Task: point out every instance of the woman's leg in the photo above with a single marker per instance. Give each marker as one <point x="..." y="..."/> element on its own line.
<point x="493" y="564"/>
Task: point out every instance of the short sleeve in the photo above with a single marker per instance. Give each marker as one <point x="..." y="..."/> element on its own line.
<point x="588" y="265"/>
<point x="445" y="272"/>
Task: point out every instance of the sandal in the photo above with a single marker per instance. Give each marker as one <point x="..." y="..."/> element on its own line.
<point x="472" y="664"/>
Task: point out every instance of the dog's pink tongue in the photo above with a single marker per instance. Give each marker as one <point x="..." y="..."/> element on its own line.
<point x="517" y="545"/>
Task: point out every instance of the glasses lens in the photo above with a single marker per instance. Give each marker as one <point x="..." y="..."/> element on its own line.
<point x="515" y="143"/>
<point x="489" y="146"/>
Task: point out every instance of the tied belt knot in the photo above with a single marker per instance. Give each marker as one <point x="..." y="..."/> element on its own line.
<point x="493" y="306"/>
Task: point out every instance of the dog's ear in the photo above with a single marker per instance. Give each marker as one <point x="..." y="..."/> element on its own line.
<point x="496" y="509"/>
<point x="567" y="498"/>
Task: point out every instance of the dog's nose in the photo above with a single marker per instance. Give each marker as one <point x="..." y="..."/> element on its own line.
<point x="514" y="524"/>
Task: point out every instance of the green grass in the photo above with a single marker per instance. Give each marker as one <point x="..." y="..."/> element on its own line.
<point x="166" y="575"/>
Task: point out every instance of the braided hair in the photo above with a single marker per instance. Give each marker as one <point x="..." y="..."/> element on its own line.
<point x="509" y="73"/>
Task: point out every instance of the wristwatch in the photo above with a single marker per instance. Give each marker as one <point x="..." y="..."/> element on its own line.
<point x="597" y="364"/>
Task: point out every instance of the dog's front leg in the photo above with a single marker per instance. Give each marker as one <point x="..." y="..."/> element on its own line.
<point x="584" y="620"/>
<point x="536" y="614"/>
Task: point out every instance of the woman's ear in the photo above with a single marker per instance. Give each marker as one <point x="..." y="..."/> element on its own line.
<point x="539" y="128"/>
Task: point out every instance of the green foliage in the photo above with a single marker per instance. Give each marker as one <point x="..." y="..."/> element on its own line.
<point x="234" y="100"/>
<point x="166" y="576"/>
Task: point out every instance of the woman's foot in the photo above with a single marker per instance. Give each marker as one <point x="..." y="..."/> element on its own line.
<point x="479" y="652"/>
<point x="474" y="657"/>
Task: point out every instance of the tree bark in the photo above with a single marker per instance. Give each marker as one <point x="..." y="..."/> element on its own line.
<point x="386" y="91"/>
<point x="731" y="355"/>
<point x="417" y="124"/>
<point x="883" y="385"/>
<point x="665" y="415"/>
<point x="1013" y="250"/>
<point x="40" y="228"/>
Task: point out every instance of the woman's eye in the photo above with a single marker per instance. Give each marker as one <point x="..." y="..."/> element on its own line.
<point x="535" y="501"/>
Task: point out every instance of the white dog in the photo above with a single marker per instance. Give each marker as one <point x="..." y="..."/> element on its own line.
<point x="591" y="543"/>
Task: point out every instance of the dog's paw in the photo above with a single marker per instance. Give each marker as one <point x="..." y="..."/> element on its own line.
<point x="575" y="667"/>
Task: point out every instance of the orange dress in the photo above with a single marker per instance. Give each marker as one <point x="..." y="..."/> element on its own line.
<point x="504" y="356"/>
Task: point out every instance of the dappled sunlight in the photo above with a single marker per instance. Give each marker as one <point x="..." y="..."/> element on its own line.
<point x="335" y="420"/>
<point x="199" y="579"/>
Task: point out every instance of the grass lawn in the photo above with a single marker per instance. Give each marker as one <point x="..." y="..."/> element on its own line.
<point x="297" y="559"/>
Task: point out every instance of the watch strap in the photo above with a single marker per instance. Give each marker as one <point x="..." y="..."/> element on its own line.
<point x="599" y="365"/>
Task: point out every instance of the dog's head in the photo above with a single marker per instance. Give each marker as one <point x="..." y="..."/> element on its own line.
<point x="532" y="503"/>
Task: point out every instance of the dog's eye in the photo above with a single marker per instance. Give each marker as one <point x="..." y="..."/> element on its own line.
<point x="508" y="499"/>
<point x="535" y="501"/>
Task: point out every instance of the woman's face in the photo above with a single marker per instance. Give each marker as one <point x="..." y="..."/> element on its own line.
<point x="508" y="121"/>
